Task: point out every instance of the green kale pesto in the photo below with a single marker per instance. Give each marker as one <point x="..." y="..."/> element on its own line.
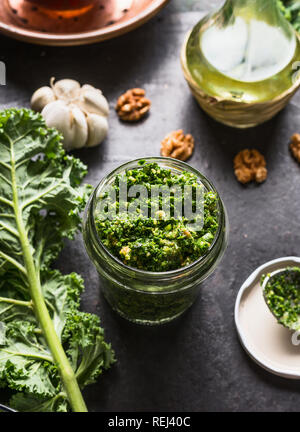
<point x="159" y="241"/>
<point x="282" y="295"/>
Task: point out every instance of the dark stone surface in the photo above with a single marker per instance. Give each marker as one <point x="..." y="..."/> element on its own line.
<point x="195" y="363"/>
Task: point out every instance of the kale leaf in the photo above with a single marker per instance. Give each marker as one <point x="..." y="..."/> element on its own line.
<point x="49" y="350"/>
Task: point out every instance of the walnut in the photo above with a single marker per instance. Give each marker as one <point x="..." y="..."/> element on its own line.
<point x="187" y="233"/>
<point x="295" y="146"/>
<point x="125" y="251"/>
<point x="133" y="105"/>
<point x="250" y="165"/>
<point x="177" y="145"/>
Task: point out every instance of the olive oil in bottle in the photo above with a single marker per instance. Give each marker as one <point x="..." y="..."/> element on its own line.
<point x="246" y="53"/>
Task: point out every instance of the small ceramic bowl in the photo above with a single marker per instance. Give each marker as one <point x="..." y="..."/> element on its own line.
<point x="271" y="345"/>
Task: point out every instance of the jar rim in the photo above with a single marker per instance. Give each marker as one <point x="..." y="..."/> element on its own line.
<point x="173" y="163"/>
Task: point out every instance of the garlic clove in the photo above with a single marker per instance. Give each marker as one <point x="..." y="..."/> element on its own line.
<point x="41" y="98"/>
<point x="89" y="87"/>
<point x="66" y="89"/>
<point x="97" y="129"/>
<point x="56" y="114"/>
<point x="78" y="123"/>
<point x="69" y="120"/>
<point x="55" y="109"/>
<point x="91" y="100"/>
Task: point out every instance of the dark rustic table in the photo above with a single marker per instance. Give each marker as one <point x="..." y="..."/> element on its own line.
<point x="195" y="363"/>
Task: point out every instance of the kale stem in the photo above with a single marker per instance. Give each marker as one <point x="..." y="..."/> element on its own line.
<point x="16" y="302"/>
<point x="67" y="374"/>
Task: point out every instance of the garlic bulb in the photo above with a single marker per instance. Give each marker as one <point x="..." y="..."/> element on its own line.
<point x="79" y="113"/>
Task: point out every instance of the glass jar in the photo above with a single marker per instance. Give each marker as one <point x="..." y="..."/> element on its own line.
<point x="148" y="297"/>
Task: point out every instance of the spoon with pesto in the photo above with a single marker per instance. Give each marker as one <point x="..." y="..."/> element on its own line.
<point x="281" y="290"/>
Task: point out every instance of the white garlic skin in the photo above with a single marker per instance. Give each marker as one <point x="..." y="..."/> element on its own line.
<point x="79" y="113"/>
<point x="41" y="98"/>
<point x="93" y="101"/>
<point x="69" y="120"/>
<point x="66" y="89"/>
<point x="97" y="129"/>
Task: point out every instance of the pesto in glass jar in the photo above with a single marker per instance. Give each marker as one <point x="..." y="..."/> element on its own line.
<point x="151" y="257"/>
<point x="160" y="243"/>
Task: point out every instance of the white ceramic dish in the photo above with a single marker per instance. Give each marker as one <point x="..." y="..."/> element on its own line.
<point x="267" y="342"/>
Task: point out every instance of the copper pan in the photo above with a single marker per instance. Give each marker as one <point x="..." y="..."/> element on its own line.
<point x="100" y="20"/>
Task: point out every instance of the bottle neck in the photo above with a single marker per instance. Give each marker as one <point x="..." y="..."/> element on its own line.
<point x="263" y="10"/>
<point x="267" y="11"/>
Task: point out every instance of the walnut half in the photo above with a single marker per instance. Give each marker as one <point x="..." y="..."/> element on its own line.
<point x="133" y="105"/>
<point x="177" y="145"/>
<point x="295" y="146"/>
<point x="250" y="165"/>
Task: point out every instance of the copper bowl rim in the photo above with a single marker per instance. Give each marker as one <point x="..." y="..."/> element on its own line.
<point x="83" y="38"/>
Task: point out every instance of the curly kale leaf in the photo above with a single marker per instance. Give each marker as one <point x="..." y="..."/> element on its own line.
<point x="41" y="198"/>
<point x="89" y="353"/>
<point x="49" y="194"/>
<point x="26" y="363"/>
<point x="29" y="403"/>
<point x="291" y="11"/>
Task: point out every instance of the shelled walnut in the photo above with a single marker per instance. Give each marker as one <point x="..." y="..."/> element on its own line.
<point x="133" y="105"/>
<point x="177" y="145"/>
<point x="250" y="165"/>
<point x="295" y="146"/>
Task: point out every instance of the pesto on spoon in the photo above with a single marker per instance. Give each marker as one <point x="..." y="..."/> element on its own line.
<point x="281" y="291"/>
